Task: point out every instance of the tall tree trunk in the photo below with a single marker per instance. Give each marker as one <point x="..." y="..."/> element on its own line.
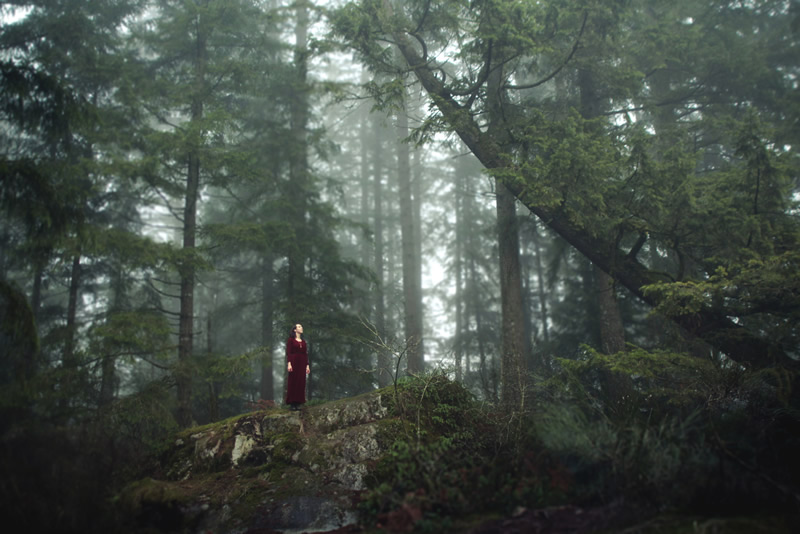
<point x="213" y="399"/>
<point x="477" y="310"/>
<point x="512" y="364"/>
<point x="69" y="362"/>
<point x="458" y="262"/>
<point x="472" y="305"/>
<point x="186" y="321"/>
<point x="541" y="293"/>
<point x="610" y="329"/>
<point x="385" y="370"/>
<point x="108" y="380"/>
<point x="527" y="305"/>
<point x="298" y="165"/>
<point x="72" y="312"/>
<point x="267" y="390"/>
<point x="513" y="374"/>
<point x="36" y="293"/>
<point x="364" y="132"/>
<point x="412" y="292"/>
<point x="416" y="220"/>
<point x="108" y="369"/>
<point x="183" y="371"/>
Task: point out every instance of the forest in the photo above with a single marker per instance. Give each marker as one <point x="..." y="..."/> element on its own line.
<point x="573" y="224"/>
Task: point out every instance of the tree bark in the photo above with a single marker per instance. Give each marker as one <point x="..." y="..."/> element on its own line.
<point x="540" y="286"/>
<point x="213" y="398"/>
<point x="69" y="362"/>
<point x="298" y="164"/>
<point x="385" y="369"/>
<point x="513" y="375"/>
<point x="364" y="133"/>
<point x="612" y="331"/>
<point x="186" y="320"/>
<point x="267" y="389"/>
<point x="36" y="293"/>
<point x="458" y="269"/>
<point x="72" y="313"/>
<point x="183" y="370"/>
<point x="412" y="292"/>
<point x="108" y="381"/>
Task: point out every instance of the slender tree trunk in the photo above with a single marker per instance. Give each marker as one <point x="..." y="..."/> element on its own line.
<point x="527" y="305"/>
<point x="512" y="370"/>
<point x="412" y="292"/>
<point x="513" y="374"/>
<point x="541" y="293"/>
<point x="267" y="310"/>
<point x="183" y="371"/>
<point x="108" y="369"/>
<point x="108" y="380"/>
<point x="458" y="262"/>
<point x="36" y="293"/>
<point x="612" y="332"/>
<point x="416" y="220"/>
<point x="364" y="132"/>
<point x="213" y="400"/>
<point x="72" y="312"/>
<point x="385" y="370"/>
<point x="298" y="165"/>
<point x="472" y="304"/>
<point x="610" y="329"/>
<point x="477" y="309"/>
<point x="186" y="321"/>
<point x="69" y="362"/>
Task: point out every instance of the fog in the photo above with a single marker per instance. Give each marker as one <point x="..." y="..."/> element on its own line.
<point x="548" y="203"/>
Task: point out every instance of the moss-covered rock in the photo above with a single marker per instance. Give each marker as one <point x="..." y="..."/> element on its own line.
<point x="274" y="470"/>
<point x="308" y="471"/>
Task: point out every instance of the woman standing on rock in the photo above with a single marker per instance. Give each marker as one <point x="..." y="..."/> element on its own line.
<point x="297" y="356"/>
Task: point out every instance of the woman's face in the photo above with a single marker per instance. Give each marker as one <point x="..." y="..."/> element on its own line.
<point x="298" y="328"/>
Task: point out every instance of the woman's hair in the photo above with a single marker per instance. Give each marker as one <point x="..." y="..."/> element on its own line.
<point x="293" y="332"/>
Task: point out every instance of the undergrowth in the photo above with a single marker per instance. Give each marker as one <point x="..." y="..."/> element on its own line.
<point x="701" y="436"/>
<point x="450" y="463"/>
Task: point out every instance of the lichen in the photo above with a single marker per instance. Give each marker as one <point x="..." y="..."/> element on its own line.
<point x="238" y="473"/>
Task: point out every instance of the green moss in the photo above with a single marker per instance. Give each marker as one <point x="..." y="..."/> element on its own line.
<point x="223" y="428"/>
<point x="391" y="430"/>
<point x="149" y="491"/>
<point x="286" y="445"/>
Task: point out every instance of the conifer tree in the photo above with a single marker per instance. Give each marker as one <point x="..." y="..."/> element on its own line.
<point x="197" y="62"/>
<point x="575" y="180"/>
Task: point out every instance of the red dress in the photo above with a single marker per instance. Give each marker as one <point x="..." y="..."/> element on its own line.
<point x="297" y="355"/>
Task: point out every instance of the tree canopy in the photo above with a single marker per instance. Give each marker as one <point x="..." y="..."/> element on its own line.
<point x="689" y="155"/>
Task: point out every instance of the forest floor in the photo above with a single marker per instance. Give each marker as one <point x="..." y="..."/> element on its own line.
<point x="344" y="467"/>
<point x="612" y="518"/>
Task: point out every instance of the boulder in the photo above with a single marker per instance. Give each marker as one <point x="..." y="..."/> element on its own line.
<point x="266" y="471"/>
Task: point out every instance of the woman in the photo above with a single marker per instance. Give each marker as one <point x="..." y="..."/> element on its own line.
<point x="297" y="356"/>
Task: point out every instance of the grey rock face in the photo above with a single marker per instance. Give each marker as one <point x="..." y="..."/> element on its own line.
<point x="288" y="472"/>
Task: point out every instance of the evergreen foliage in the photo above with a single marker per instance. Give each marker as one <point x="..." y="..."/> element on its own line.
<point x="180" y="182"/>
<point x="645" y="173"/>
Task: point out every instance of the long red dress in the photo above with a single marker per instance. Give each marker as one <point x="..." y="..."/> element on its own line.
<point x="297" y="355"/>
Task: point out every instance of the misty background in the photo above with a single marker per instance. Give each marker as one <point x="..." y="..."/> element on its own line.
<point x="560" y="205"/>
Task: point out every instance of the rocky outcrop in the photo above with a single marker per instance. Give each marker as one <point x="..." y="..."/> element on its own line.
<point x="271" y="471"/>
